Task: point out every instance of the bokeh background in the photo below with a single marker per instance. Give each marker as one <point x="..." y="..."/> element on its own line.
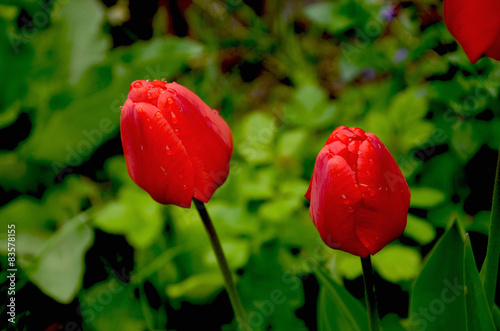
<point x="95" y="252"/>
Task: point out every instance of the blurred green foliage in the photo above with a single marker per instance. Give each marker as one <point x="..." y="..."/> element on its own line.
<point x="283" y="75"/>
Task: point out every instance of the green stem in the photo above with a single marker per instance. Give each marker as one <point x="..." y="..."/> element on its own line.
<point x="371" y="299"/>
<point x="240" y="314"/>
<point x="489" y="270"/>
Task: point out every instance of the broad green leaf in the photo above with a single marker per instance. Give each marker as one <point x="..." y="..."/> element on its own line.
<point x="337" y="308"/>
<point x="397" y="263"/>
<point x="420" y="230"/>
<point x="310" y="107"/>
<point x="466" y="140"/>
<point x="58" y="263"/>
<point x="438" y="295"/>
<point x="197" y="288"/>
<point x="425" y="197"/>
<point x="87" y="42"/>
<point x="134" y="214"/>
<point x="478" y="312"/>
<point x="257" y="134"/>
<point x="111" y="305"/>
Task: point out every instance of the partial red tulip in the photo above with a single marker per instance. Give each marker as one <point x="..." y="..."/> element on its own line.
<point x="175" y="146"/>
<point x="476" y="26"/>
<point x="359" y="197"/>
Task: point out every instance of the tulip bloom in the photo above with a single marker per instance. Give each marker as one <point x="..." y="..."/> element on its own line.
<point x="175" y="146"/>
<point x="359" y="197"/>
<point x="476" y="26"/>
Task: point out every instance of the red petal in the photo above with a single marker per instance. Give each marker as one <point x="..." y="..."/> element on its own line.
<point x="334" y="199"/>
<point x="156" y="159"/>
<point x="494" y="50"/>
<point x="386" y="197"/>
<point x="205" y="135"/>
<point x="474" y="24"/>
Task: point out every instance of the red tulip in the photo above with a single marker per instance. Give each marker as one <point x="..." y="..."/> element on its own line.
<point x="359" y="197"/>
<point x="476" y="26"/>
<point x="175" y="146"/>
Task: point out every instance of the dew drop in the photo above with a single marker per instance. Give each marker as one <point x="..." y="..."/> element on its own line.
<point x="142" y="148"/>
<point x="149" y="95"/>
<point x="371" y="192"/>
<point x="181" y="176"/>
<point x="137" y="85"/>
<point x="176" y="131"/>
<point x="160" y="90"/>
<point x="368" y="173"/>
<point x="379" y="187"/>
<point x="150" y="127"/>
<point x="344" y="196"/>
<point x="216" y="112"/>
<point x="379" y="146"/>
<point x="139" y="110"/>
<point x="181" y="110"/>
<point x="370" y="161"/>
<point x="148" y="80"/>
<point x="121" y="107"/>
<point x="195" y="194"/>
<point x="350" y="210"/>
<point x="174" y="118"/>
<point x="162" y="169"/>
<point x="158" y="114"/>
<point x="364" y="185"/>
<point x="172" y="91"/>
<point x="350" y="139"/>
<point x="170" y="100"/>
<point x="169" y="151"/>
<point x="163" y="79"/>
<point x="184" y="187"/>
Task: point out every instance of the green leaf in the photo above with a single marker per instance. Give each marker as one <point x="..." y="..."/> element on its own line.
<point x="420" y="230"/>
<point x="426" y="197"/>
<point x="257" y="134"/>
<point x="87" y="42"/>
<point x="134" y="214"/>
<point x="337" y="308"/>
<point x="111" y="305"/>
<point x="438" y="296"/>
<point x="466" y="140"/>
<point x="310" y="107"/>
<point x="478" y="311"/>
<point x="57" y="267"/>
<point x="397" y="263"/>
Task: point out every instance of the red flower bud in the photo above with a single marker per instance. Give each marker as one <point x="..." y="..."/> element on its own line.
<point x="359" y="197"/>
<point x="175" y="146"/>
<point x="476" y="26"/>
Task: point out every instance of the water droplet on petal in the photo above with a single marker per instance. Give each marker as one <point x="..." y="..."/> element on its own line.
<point x="142" y="148"/>
<point x="160" y="90"/>
<point x="344" y="196"/>
<point x="184" y="187"/>
<point x="379" y="187"/>
<point x="180" y="176"/>
<point x="150" y="127"/>
<point x="216" y="112"/>
<point x="170" y="100"/>
<point x="174" y="118"/>
<point x="172" y="91"/>
<point x="195" y="194"/>
<point x="371" y="192"/>
<point x="169" y="151"/>
<point x="121" y="107"/>
<point x="148" y="80"/>
<point x="164" y="79"/>
<point x="158" y="114"/>
<point x="149" y="95"/>
<point x="368" y="173"/>
<point x="370" y="161"/>
<point x="137" y="85"/>
<point x="176" y="131"/>
<point x="350" y="210"/>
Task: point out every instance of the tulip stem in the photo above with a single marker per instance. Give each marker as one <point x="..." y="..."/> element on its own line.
<point x="489" y="270"/>
<point x="371" y="299"/>
<point x="240" y="314"/>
